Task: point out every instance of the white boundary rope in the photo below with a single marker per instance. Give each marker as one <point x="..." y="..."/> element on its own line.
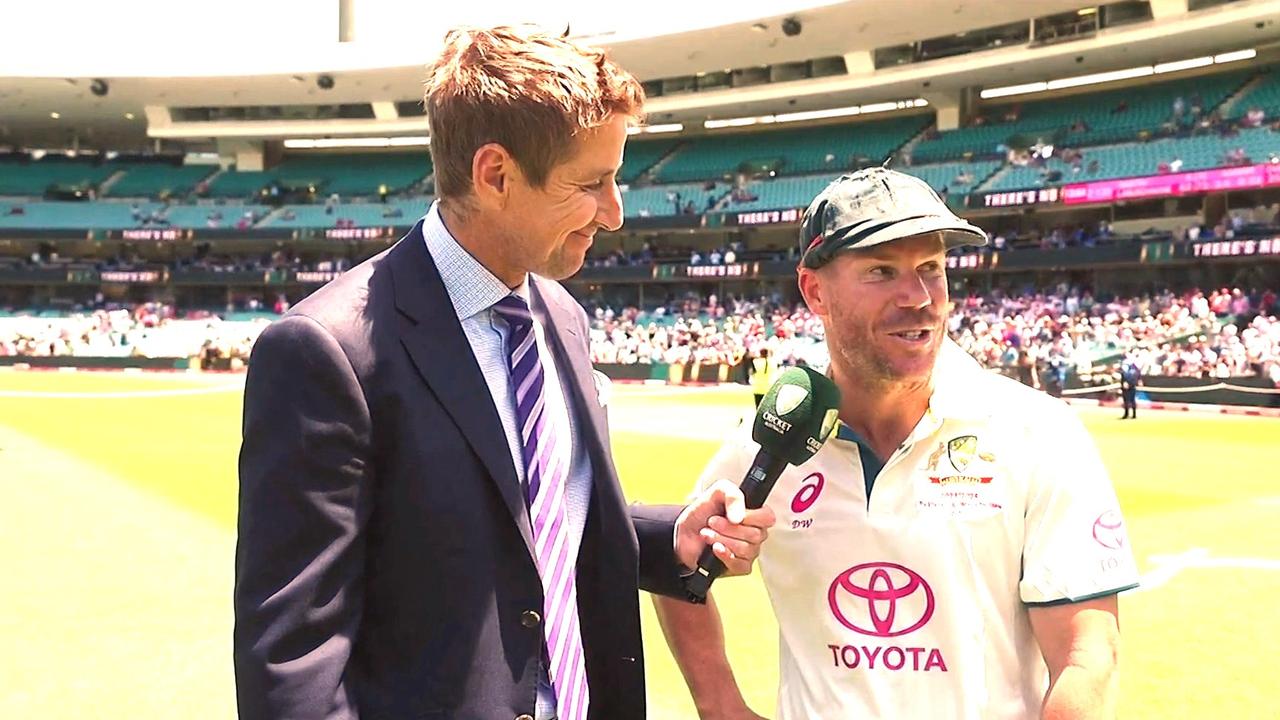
<point x="128" y="395"/>
<point x="1150" y="389"/>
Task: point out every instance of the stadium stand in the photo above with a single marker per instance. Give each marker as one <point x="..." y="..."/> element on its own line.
<point x="119" y="215"/>
<point x="21" y="177"/>
<point x="780" y="193"/>
<point x="770" y="194"/>
<point x="158" y="180"/>
<point x="1225" y="333"/>
<point x="955" y="178"/>
<point x="396" y="212"/>
<point x="1264" y="95"/>
<point x="640" y="155"/>
<point x="828" y="148"/>
<point x="1202" y="152"/>
<point x="790" y="164"/>
<point x="1080" y="121"/>
<point x="70" y="215"/>
<point x="668" y="200"/>
<point x="204" y="216"/>
<point x="358" y="174"/>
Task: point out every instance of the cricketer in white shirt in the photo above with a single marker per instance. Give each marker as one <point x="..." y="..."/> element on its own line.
<point x="912" y="602"/>
<point x="960" y="560"/>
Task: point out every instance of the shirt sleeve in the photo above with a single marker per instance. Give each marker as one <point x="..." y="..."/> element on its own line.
<point x="730" y="462"/>
<point x="1075" y="546"/>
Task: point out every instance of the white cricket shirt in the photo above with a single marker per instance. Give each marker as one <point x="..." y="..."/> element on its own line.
<point x="914" y="604"/>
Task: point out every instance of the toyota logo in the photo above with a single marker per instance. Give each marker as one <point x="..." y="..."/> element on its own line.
<point x="1108" y="530"/>
<point x="881" y="599"/>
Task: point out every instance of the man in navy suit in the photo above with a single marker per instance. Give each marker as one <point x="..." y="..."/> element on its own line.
<point x="431" y="525"/>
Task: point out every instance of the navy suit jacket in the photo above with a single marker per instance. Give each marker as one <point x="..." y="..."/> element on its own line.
<point x="383" y="564"/>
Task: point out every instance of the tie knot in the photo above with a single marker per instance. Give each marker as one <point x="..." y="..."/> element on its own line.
<point x="514" y="310"/>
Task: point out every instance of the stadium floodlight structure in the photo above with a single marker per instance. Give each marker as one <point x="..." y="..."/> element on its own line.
<point x="1118" y="75"/>
<point x="357" y="142"/>
<point x="816" y="114"/>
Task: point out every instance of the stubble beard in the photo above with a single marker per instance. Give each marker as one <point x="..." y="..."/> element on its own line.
<point x="866" y="365"/>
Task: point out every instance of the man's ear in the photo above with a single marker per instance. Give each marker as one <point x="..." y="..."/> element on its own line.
<point x="811" y="290"/>
<point x="492" y="168"/>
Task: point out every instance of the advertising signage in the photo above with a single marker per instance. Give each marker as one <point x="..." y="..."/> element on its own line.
<point x="1018" y="198"/>
<point x="1159" y="252"/>
<point x="361" y="233"/>
<point x="707" y="272"/>
<point x="1189" y="183"/>
<point x="966" y="261"/>
<point x="765" y="217"/>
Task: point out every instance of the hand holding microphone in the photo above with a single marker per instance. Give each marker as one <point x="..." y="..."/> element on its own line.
<point x="793" y="421"/>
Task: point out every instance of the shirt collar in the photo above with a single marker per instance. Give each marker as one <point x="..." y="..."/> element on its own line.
<point x="472" y="288"/>
<point x="958" y="385"/>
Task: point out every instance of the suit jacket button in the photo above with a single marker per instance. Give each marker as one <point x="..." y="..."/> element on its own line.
<point x="530" y="619"/>
<point x="524" y="717"/>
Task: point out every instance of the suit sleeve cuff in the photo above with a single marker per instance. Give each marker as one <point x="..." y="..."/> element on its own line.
<point x="660" y="571"/>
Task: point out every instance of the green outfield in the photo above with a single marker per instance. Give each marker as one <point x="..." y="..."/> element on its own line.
<point x="118" y="532"/>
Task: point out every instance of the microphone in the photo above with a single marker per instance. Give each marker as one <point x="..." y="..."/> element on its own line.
<point x="794" y="419"/>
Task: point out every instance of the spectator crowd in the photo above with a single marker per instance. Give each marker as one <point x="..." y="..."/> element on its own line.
<point x="1039" y="337"/>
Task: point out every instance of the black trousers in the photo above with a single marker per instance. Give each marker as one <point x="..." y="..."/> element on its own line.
<point x="1130" y="396"/>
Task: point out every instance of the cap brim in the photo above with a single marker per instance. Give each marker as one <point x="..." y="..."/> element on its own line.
<point x="955" y="232"/>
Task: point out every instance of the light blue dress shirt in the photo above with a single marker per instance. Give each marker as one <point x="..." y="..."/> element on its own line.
<point x="473" y="290"/>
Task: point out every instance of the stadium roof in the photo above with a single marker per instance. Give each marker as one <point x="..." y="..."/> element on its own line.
<point x="217" y="62"/>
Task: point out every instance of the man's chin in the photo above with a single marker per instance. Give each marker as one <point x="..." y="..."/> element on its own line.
<point x="567" y="268"/>
<point x="913" y="367"/>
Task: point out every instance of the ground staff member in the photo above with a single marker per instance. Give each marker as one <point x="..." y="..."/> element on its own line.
<point x="763" y="372"/>
<point x="956" y="551"/>
<point x="431" y="525"/>
<point x="1130" y="378"/>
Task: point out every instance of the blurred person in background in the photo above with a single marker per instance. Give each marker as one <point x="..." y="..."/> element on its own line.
<point x="1130" y="378"/>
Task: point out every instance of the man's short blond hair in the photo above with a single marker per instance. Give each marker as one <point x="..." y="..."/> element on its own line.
<point x="525" y="90"/>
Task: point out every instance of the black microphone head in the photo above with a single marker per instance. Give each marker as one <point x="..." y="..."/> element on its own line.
<point x="797" y="415"/>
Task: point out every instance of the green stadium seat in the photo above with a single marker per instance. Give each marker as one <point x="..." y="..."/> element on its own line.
<point x="371" y="214"/>
<point x="116" y="215"/>
<point x="1265" y="95"/>
<point x="779" y="193"/>
<point x="789" y="151"/>
<point x="654" y="201"/>
<point x="1201" y="152"/>
<point x="1148" y="107"/>
<point x="640" y="155"/>
<point x="35" y="177"/>
<point x="358" y="174"/>
<point x="148" y="180"/>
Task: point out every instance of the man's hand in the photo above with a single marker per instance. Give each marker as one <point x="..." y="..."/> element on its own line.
<point x="719" y="517"/>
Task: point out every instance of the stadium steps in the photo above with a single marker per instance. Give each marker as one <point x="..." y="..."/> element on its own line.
<point x="1228" y="106"/>
<point x="992" y="179"/>
<point x="723" y="202"/>
<point x="112" y="179"/>
<point x="650" y="174"/>
<point x="265" y="221"/>
<point x="909" y="146"/>
<point x="209" y="179"/>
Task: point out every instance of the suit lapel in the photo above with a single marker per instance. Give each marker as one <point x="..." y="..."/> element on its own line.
<point x="442" y="354"/>
<point x="560" y="321"/>
<point x="608" y="532"/>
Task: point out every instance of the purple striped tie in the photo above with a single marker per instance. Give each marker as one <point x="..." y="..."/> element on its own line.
<point x="546" y="465"/>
